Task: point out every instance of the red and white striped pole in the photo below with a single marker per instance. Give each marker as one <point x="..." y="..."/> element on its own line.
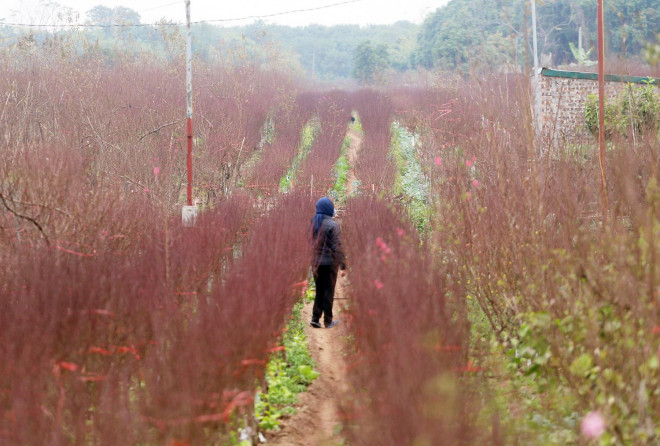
<point x="189" y="100"/>
<point x="537" y="85"/>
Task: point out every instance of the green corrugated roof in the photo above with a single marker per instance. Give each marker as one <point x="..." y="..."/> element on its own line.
<point x="594" y="76"/>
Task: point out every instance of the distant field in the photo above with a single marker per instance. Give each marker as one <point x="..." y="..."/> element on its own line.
<point x="493" y="297"/>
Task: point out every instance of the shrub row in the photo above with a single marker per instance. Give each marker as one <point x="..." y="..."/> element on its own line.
<point x="408" y="369"/>
<point x="570" y="295"/>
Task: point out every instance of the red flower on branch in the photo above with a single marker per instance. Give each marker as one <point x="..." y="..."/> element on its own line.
<point x="469" y="368"/>
<point x="99" y="351"/>
<point x="63" y="365"/>
<point x="253" y="361"/>
<point x="240" y="400"/>
<point x="279" y="348"/>
<point x="92" y="377"/>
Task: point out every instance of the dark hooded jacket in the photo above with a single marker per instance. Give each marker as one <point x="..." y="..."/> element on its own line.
<point x="325" y="236"/>
<point x="327" y="246"/>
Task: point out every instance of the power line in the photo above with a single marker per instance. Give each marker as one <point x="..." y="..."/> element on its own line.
<point x="265" y="16"/>
<point x="136" y="25"/>
<point x="89" y="25"/>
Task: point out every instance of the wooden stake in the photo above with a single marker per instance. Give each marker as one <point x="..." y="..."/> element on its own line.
<point x="601" y="109"/>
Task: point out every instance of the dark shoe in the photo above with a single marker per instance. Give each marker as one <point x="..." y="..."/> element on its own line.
<point x="315" y="324"/>
<point x="332" y="324"/>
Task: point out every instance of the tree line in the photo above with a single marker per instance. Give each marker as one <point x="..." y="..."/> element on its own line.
<point x="497" y="32"/>
<point x="463" y="36"/>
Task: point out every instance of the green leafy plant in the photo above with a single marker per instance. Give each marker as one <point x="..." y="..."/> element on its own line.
<point x="341" y="170"/>
<point x="581" y="56"/>
<point x="410" y="183"/>
<point x="308" y="136"/>
<point x="652" y="52"/>
<point x="287" y="374"/>
<point x="635" y="108"/>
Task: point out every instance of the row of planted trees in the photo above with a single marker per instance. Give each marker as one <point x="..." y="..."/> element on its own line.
<point x="112" y="313"/>
<point x="534" y="321"/>
<point x="563" y="304"/>
<point x="512" y="315"/>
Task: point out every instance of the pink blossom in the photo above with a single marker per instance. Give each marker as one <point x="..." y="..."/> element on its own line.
<point x="475" y="183"/>
<point x="438" y="161"/>
<point x="156" y="170"/>
<point x="399" y="231"/>
<point x="592" y="425"/>
<point x="146" y="190"/>
<point x="378" y="284"/>
<point x="468" y="163"/>
<point x="382" y="245"/>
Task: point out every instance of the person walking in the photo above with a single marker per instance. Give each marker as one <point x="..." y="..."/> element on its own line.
<point x="327" y="259"/>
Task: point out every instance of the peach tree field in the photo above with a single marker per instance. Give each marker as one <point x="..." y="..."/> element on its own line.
<point x="492" y="301"/>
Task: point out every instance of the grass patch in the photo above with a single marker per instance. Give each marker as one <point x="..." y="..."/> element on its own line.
<point x="340" y="189"/>
<point x="288" y="373"/>
<point x="411" y="185"/>
<point x="309" y="133"/>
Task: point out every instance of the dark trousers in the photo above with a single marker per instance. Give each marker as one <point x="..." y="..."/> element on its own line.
<point x="325" y="277"/>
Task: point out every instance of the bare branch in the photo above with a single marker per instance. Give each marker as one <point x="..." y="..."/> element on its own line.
<point x="25" y="203"/>
<point x="132" y="181"/>
<point x="159" y="128"/>
<point x="2" y="115"/>
<point x="25" y="217"/>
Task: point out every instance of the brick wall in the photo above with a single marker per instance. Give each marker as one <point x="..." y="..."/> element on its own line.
<point x="563" y="103"/>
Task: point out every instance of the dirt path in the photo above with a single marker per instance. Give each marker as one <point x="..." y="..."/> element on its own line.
<point x="317" y="422"/>
<point x="353" y="151"/>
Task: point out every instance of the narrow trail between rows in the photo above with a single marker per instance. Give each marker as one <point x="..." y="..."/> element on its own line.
<point x="318" y="422"/>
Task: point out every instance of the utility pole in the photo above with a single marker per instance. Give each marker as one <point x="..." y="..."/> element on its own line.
<point x="537" y="85"/>
<point x="601" y="109"/>
<point x="189" y="99"/>
<point x="189" y="212"/>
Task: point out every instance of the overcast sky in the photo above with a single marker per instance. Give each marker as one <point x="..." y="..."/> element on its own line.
<point x="363" y="12"/>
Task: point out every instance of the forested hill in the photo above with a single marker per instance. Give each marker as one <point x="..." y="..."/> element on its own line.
<point x="462" y="35"/>
<point x="490" y="31"/>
